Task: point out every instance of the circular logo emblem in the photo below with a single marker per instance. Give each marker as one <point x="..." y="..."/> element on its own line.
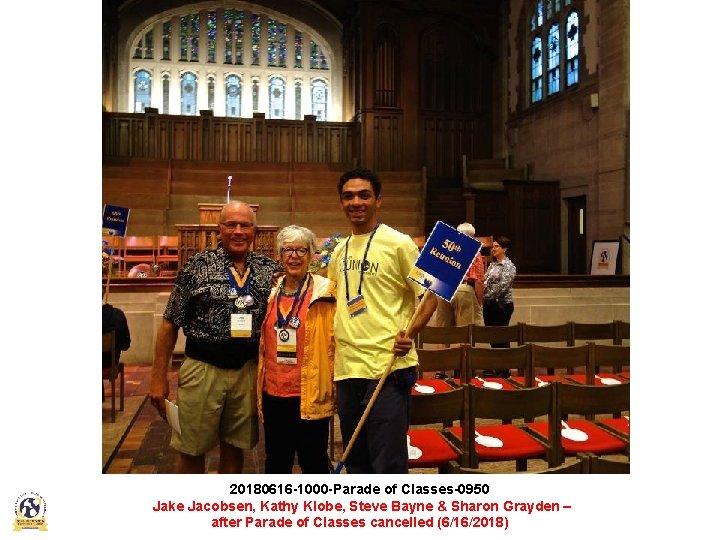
<point x="284" y="335"/>
<point x="30" y="512"/>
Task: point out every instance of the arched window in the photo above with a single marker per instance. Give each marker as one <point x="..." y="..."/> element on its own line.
<point x="572" y="48"/>
<point x="264" y="49"/>
<point x="556" y="65"/>
<point x="553" y="60"/>
<point x="211" y="93"/>
<point x="233" y="90"/>
<point x="319" y="99"/>
<point x="142" y="90"/>
<point x="276" y="98"/>
<point x="298" y="99"/>
<point x="188" y="94"/>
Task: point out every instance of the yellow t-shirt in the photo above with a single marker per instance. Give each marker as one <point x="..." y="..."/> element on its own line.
<point x="363" y="344"/>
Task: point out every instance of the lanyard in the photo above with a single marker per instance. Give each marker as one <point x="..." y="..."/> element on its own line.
<point x="237" y="280"/>
<point x="283" y="321"/>
<point x="362" y="266"/>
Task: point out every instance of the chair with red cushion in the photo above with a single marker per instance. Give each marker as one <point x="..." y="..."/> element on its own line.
<point x="430" y="444"/>
<point x="583" y="434"/>
<point x="492" y="440"/>
<point x="516" y="360"/>
<point x="579" y="464"/>
<point x="431" y="361"/>
<point x="545" y="360"/>
<point x="612" y="361"/>
<point x="560" y="334"/>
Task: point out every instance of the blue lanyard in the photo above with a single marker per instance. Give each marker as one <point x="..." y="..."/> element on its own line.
<point x="282" y="321"/>
<point x="362" y="266"/>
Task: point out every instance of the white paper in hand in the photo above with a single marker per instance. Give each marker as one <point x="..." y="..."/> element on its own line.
<point x="171" y="413"/>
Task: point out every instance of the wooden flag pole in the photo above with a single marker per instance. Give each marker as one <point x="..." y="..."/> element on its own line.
<point x="377" y="390"/>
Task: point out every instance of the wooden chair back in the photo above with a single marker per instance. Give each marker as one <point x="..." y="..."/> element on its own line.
<point x="138" y="249"/>
<point x="496" y="334"/>
<point x="435" y="360"/>
<point x="568" y="358"/>
<point x="487" y="359"/>
<point x="557" y="333"/>
<point x="614" y="357"/>
<point x="443" y="335"/>
<point x="593" y="331"/>
<point x="622" y="332"/>
<point x="167" y="251"/>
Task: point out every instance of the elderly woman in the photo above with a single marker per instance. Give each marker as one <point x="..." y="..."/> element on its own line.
<point x="498" y="303"/>
<point x="295" y="391"/>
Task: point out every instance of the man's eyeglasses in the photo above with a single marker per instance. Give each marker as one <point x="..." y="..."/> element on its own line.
<point x="300" y="252"/>
<point x="232" y="225"/>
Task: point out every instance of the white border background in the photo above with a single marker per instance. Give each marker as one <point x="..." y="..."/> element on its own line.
<point x="51" y="327"/>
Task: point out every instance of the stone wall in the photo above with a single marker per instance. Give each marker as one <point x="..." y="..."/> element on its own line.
<point x="544" y="306"/>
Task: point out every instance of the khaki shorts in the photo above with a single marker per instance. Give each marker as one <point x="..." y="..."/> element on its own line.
<point x="215" y="405"/>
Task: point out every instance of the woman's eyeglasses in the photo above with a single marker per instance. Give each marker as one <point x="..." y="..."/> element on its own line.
<point x="300" y="252"/>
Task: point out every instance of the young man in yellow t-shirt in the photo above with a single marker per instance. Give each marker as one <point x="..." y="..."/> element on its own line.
<point x="376" y="300"/>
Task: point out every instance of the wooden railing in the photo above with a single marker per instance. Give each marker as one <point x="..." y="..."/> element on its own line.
<point x="206" y="137"/>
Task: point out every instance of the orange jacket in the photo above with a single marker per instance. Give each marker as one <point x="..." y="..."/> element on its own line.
<point x="317" y="390"/>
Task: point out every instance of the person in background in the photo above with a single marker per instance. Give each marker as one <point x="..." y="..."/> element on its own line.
<point x="498" y="303"/>
<point x="376" y="302"/>
<point x="219" y="300"/>
<point x="114" y="319"/>
<point x="466" y="305"/>
<point x="295" y="390"/>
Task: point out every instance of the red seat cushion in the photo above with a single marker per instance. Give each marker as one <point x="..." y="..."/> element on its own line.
<point x="439" y="385"/>
<point x="546" y="378"/>
<point x="506" y="385"/>
<point x="598" y="442"/>
<point x="516" y="443"/>
<point x="436" y="451"/>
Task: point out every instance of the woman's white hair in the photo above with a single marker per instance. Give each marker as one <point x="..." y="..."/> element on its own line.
<point x="466" y="228"/>
<point x="296" y="233"/>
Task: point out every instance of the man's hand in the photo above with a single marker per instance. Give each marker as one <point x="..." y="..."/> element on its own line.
<point x="159" y="391"/>
<point x="402" y="344"/>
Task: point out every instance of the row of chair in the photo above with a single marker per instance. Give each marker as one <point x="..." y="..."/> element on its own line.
<point x="154" y="250"/>
<point x="567" y="333"/>
<point x="549" y="423"/>
<point x="584" y="463"/>
<point x="527" y="365"/>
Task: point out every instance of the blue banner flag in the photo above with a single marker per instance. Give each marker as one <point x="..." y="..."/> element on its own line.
<point x="445" y="260"/>
<point x="115" y="220"/>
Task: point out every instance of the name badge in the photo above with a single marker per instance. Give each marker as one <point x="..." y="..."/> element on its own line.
<point x="286" y="346"/>
<point x="356" y="306"/>
<point x="241" y="325"/>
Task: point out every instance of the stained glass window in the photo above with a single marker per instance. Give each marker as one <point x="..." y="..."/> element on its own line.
<point x="553" y="60"/>
<point x="239" y="37"/>
<point x="212" y="37"/>
<point x="317" y="58"/>
<point x="277" y="98"/>
<point x="220" y="31"/>
<point x="255" y="46"/>
<point x="319" y="99"/>
<point x="573" y="48"/>
<point x="256" y="95"/>
<point x="536" y="70"/>
<point x="211" y="93"/>
<point x="183" y="38"/>
<point x="298" y="49"/>
<point x="166" y="94"/>
<point x="142" y="90"/>
<point x="233" y="92"/>
<point x="194" y="37"/>
<point x="167" y="27"/>
<point x="188" y="94"/>
<point x="298" y="99"/>
<point x="149" y="45"/>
